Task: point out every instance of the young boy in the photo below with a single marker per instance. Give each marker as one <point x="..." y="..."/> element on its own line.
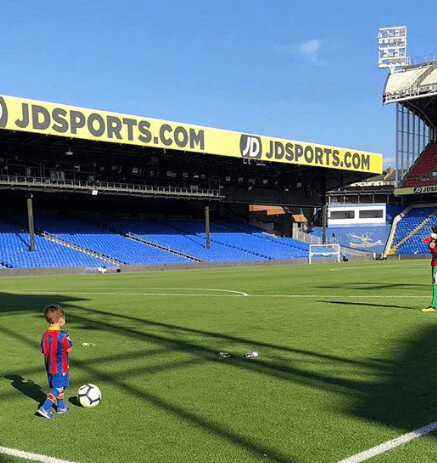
<point x="432" y="246"/>
<point x="56" y="346"/>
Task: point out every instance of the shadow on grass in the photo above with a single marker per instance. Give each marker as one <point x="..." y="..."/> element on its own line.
<point x="368" y="304"/>
<point x="28" y="388"/>
<point x="180" y="330"/>
<point x="403" y="395"/>
<point x="369" y="286"/>
<point x="210" y="426"/>
<point x="397" y="393"/>
<point x="74" y="401"/>
<point x="16" y="303"/>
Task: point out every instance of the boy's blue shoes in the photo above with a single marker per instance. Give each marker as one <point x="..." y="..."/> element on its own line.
<point x="45" y="413"/>
<point x="60" y="411"/>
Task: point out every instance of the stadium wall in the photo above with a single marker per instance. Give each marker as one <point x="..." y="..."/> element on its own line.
<point x="371" y="238"/>
<point x="17" y="272"/>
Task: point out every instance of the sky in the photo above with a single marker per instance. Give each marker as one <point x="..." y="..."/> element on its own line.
<point x="303" y="70"/>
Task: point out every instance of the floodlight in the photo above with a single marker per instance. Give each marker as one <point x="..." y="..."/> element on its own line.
<point x="392" y="48"/>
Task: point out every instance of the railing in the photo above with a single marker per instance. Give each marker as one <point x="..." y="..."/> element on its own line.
<point x="307" y="237"/>
<point x="432" y="58"/>
<point x="108" y="187"/>
<point x="409" y="92"/>
<point x="82" y="249"/>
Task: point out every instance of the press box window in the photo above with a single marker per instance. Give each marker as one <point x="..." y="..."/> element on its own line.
<point x="371" y="214"/>
<point x="342" y="215"/>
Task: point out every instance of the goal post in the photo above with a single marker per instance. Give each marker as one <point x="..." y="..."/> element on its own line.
<point x="324" y="251"/>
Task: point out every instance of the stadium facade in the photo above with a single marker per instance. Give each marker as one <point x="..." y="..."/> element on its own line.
<point x="105" y="188"/>
<point x="231" y="163"/>
<point x="409" y="191"/>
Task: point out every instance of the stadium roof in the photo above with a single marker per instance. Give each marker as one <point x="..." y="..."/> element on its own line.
<point x="411" y="83"/>
<point x="42" y="118"/>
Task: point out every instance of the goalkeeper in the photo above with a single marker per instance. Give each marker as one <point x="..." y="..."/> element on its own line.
<point x="431" y="241"/>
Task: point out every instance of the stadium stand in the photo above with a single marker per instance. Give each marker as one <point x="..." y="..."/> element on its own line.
<point x="392" y="210"/>
<point x="14" y="251"/>
<point x="187" y="240"/>
<point x="411" y="230"/>
<point x="249" y="239"/>
<point x="138" y="242"/>
<point x="415" y="244"/>
<point x="189" y="172"/>
<point x="112" y="245"/>
<point x="424" y="171"/>
<point x="229" y="241"/>
<point x="415" y="217"/>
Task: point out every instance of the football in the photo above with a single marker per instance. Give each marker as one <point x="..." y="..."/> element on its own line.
<point x="89" y="395"/>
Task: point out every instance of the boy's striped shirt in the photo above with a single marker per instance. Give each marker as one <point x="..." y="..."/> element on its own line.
<point x="54" y="345"/>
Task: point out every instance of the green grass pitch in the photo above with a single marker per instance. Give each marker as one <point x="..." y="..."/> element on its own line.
<point x="347" y="361"/>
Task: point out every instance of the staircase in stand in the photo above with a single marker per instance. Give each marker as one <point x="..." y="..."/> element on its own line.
<point x="412" y="233"/>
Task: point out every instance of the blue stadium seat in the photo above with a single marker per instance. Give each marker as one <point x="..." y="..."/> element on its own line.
<point x="14" y="251"/>
<point x="109" y="244"/>
<point x="414" y="218"/>
<point x="230" y="242"/>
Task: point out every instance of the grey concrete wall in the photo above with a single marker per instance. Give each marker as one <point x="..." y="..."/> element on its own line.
<point x="15" y="272"/>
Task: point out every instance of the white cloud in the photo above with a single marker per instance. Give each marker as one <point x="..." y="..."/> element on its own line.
<point x="310" y="50"/>
<point x="311" y="47"/>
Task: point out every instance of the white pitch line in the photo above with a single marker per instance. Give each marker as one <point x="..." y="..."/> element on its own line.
<point x="208" y="289"/>
<point x="391" y="444"/>
<point x="31" y="456"/>
<point x="311" y="296"/>
<point x="142" y="294"/>
<point x="347" y="296"/>
<point x="203" y="289"/>
<point x="119" y="293"/>
<point x="418" y="263"/>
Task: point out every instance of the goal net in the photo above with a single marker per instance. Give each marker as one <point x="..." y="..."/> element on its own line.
<point x="321" y="252"/>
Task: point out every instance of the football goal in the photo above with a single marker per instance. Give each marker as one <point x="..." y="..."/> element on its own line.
<point x="320" y="252"/>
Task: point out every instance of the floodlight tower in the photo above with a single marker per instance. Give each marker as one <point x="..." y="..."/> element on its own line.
<point x="392" y="54"/>
<point x="392" y="48"/>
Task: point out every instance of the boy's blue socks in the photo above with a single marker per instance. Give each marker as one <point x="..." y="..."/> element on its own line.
<point x="61" y="403"/>
<point x="52" y="398"/>
<point x="47" y="405"/>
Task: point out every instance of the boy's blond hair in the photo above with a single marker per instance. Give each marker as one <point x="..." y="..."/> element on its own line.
<point x="53" y="313"/>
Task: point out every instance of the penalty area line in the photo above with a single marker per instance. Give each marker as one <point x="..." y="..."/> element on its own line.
<point x="31" y="456"/>
<point x="341" y="296"/>
<point x="229" y="292"/>
<point x="222" y="293"/>
<point x="391" y="444"/>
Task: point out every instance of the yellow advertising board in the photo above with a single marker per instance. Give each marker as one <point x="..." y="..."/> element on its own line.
<point x="416" y="190"/>
<point x="25" y="115"/>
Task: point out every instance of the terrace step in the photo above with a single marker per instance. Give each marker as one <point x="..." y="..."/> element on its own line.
<point x="135" y="237"/>
<point x="67" y="244"/>
<point x="82" y="249"/>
